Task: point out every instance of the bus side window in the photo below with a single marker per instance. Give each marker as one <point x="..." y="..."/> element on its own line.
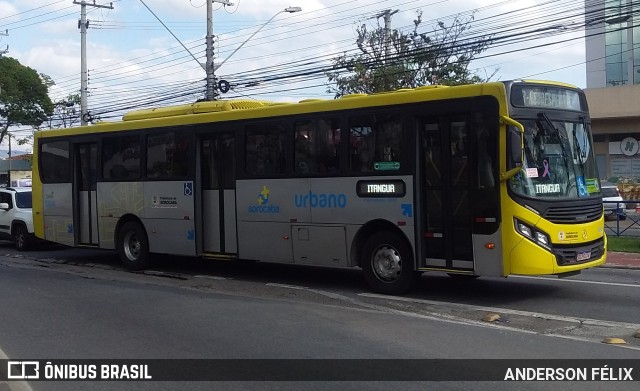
<point x="375" y="139"/>
<point x="486" y="140"/>
<point x="316" y="146"/>
<point x="121" y="157"/>
<point x="304" y="147"/>
<point x="54" y="162"/>
<point x="265" y="149"/>
<point x="329" y="145"/>
<point x="167" y="156"/>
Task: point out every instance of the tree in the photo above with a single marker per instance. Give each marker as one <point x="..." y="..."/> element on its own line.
<point x="66" y="112"/>
<point x="24" y="98"/>
<point x="390" y="59"/>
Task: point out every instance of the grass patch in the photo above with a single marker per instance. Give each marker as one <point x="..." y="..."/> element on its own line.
<point x="625" y="244"/>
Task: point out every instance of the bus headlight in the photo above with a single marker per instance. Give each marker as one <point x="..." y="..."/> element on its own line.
<point x="524" y="229"/>
<point x="536" y="236"/>
<point x="542" y="239"/>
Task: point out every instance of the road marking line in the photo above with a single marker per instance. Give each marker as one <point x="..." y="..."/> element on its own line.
<point x="594" y="322"/>
<point x="579" y="281"/>
<point x="286" y="286"/>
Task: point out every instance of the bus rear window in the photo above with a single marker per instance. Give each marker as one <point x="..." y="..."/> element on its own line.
<point x="54" y="162"/>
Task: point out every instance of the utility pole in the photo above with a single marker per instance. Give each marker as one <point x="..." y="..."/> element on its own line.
<point x="386" y="14"/>
<point x="83" y="24"/>
<point x="210" y="70"/>
<point x="5" y="34"/>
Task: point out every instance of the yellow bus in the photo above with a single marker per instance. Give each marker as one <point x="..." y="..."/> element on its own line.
<point x="488" y="179"/>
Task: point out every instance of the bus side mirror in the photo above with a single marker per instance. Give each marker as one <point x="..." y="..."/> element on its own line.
<point x="514" y="141"/>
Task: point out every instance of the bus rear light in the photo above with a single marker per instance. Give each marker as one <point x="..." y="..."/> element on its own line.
<point x="285" y="237"/>
<point x="402" y="223"/>
<point x="490" y="246"/>
<point x="486" y="220"/>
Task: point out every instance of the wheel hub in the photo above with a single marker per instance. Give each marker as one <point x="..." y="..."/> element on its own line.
<point x="387" y="263"/>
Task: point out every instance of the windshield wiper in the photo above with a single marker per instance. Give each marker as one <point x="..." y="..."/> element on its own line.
<point x="581" y="153"/>
<point x="550" y="124"/>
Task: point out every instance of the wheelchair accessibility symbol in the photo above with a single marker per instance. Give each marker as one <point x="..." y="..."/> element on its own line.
<point x="188" y="188"/>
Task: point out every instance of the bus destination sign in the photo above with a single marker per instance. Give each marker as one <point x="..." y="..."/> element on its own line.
<point x="546" y="97"/>
<point x="381" y="188"/>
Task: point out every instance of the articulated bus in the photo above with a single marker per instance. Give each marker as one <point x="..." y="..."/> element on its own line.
<point x="488" y="179"/>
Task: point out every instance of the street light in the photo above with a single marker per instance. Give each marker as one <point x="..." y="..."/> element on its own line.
<point x="288" y="9"/>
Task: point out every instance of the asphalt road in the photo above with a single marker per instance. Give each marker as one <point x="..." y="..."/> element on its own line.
<point x="55" y="310"/>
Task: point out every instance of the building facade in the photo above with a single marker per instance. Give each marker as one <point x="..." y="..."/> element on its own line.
<point x="613" y="86"/>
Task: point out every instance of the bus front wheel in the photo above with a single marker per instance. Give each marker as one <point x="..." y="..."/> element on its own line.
<point x="387" y="264"/>
<point x="133" y="246"/>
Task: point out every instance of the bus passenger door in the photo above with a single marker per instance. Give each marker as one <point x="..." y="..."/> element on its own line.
<point x="86" y="202"/>
<point x="445" y="191"/>
<point x="217" y="167"/>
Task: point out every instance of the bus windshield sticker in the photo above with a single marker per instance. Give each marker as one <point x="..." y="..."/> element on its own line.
<point x="381" y="188"/>
<point x="386" y="166"/>
<point x="550" y="188"/>
<point x="188" y="188"/>
<point x="532" y="172"/>
<point x="592" y="185"/>
<point x="582" y="188"/>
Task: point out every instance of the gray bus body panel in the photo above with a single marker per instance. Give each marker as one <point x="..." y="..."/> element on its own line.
<point x="166" y="210"/>
<point x="58" y="213"/>
<point x="313" y="220"/>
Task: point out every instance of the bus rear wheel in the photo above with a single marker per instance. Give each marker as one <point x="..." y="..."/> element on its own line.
<point x="387" y="264"/>
<point x="133" y="246"/>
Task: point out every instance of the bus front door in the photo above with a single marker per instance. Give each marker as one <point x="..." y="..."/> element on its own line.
<point x="446" y="193"/>
<point x="217" y="167"/>
<point x="86" y="202"/>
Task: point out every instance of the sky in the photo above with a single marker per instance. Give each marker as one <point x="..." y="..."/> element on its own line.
<point x="134" y="62"/>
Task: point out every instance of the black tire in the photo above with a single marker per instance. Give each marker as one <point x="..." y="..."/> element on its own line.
<point x="387" y="264"/>
<point x="21" y="238"/>
<point x="133" y="246"/>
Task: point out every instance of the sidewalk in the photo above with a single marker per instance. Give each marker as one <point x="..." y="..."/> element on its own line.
<point x="622" y="260"/>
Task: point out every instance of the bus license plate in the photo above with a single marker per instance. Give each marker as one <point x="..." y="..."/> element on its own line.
<point x="583" y="256"/>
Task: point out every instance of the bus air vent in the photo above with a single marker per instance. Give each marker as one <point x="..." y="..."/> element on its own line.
<point x="580" y="213"/>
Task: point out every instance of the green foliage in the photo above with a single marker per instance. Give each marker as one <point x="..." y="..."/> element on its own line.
<point x="389" y="59"/>
<point x="24" y="98"/>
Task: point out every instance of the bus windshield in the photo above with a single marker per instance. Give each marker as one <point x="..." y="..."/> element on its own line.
<point x="559" y="160"/>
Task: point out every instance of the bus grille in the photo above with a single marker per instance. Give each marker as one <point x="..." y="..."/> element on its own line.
<point x="574" y="214"/>
<point x="568" y="254"/>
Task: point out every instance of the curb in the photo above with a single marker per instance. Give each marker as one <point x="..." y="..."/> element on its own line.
<point x="614" y="266"/>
